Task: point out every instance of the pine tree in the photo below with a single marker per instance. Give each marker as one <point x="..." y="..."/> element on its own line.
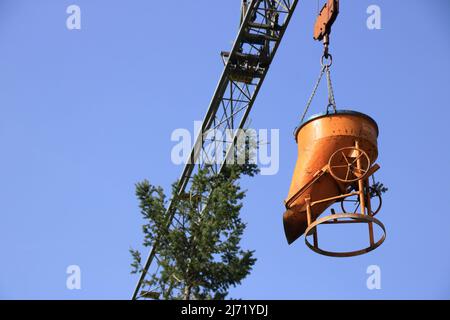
<point x="199" y="256"/>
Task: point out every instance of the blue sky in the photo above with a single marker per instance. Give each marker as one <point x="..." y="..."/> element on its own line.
<point x="86" y="114"/>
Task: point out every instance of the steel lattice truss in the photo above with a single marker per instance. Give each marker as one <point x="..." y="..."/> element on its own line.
<point x="262" y="28"/>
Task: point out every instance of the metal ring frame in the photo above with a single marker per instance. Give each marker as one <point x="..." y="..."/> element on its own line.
<point x="333" y="219"/>
<point x="324" y="59"/>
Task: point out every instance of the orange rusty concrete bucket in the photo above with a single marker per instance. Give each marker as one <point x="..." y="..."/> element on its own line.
<point x="318" y="139"/>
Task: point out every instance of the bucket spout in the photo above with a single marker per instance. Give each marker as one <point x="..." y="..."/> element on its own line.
<point x="294" y="225"/>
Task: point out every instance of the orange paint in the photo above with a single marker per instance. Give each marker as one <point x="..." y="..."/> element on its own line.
<point x="317" y="140"/>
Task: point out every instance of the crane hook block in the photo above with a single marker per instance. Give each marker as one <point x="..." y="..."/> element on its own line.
<point x="325" y="20"/>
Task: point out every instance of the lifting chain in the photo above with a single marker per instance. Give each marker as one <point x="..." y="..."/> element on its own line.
<point x="331" y="100"/>
<point x="326" y="62"/>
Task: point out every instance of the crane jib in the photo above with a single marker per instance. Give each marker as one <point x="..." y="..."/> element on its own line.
<point x="263" y="24"/>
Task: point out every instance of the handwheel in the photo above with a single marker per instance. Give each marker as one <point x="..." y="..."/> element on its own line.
<point x="343" y="164"/>
<point x="351" y="204"/>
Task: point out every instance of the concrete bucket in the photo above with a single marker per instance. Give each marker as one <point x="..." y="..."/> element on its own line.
<point x="336" y="153"/>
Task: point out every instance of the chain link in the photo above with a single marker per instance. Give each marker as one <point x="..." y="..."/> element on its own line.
<point x="331" y="100"/>
<point x="308" y="104"/>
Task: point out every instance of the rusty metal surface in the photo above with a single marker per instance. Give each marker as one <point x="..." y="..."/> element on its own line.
<point x="349" y="164"/>
<point x="318" y="139"/>
<point x="327" y="114"/>
<point x="325" y="20"/>
<point x="335" y="219"/>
